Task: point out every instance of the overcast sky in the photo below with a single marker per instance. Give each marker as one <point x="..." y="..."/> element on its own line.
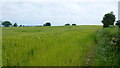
<point x="58" y="12"/>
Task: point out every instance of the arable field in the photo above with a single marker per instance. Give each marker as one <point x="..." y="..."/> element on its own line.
<point x="48" y="46"/>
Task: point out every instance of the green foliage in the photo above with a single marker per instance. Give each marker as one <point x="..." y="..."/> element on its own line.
<point x="118" y="23"/>
<point x="108" y="19"/>
<point x="47" y="46"/>
<point x="107" y="51"/>
<point x="47" y="24"/>
<point x="73" y="24"/>
<point x="67" y="24"/>
<point x="6" y="23"/>
<point x="0" y="47"/>
<point x="15" y="25"/>
<point x="20" y="26"/>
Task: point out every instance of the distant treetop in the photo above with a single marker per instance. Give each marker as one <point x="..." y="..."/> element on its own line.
<point x="6" y="24"/>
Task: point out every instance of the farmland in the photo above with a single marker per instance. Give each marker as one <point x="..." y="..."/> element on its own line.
<point x="48" y="46"/>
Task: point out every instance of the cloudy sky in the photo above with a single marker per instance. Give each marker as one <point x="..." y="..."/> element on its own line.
<point x="58" y="12"/>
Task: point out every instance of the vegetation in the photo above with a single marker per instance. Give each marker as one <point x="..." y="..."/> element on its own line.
<point x="47" y="24"/>
<point x="62" y="46"/>
<point x="73" y="24"/>
<point x="118" y="23"/>
<point x="108" y="47"/>
<point x="0" y="46"/>
<point x="6" y="23"/>
<point x="20" y="25"/>
<point x="108" y="19"/>
<point x="48" y="46"/>
<point x="15" y="25"/>
<point x="67" y="24"/>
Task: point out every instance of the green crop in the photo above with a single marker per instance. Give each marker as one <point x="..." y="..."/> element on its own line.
<point x="47" y="46"/>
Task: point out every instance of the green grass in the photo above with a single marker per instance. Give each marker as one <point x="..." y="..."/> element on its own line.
<point x="0" y="46"/>
<point x="47" y="46"/>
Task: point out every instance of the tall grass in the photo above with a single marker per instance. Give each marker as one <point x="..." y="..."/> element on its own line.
<point x="47" y="46"/>
<point x="0" y="46"/>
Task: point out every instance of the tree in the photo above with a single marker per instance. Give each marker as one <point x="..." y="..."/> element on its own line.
<point x="6" y="23"/>
<point x="15" y="25"/>
<point x="73" y="24"/>
<point x="118" y="23"/>
<point x="23" y="25"/>
<point x="48" y="24"/>
<point x="20" y="26"/>
<point x="44" y="24"/>
<point x="108" y="19"/>
<point x="67" y="24"/>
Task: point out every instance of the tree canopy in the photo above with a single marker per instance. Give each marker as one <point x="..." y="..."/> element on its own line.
<point x="67" y="24"/>
<point x="15" y="25"/>
<point x="108" y="19"/>
<point x="118" y="23"/>
<point x="73" y="24"/>
<point x="6" y="23"/>
<point x="47" y="24"/>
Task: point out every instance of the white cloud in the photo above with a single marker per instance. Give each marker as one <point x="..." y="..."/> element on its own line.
<point x="59" y="1"/>
<point x="0" y="12"/>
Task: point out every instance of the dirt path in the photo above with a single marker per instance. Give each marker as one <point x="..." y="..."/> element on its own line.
<point x="89" y="60"/>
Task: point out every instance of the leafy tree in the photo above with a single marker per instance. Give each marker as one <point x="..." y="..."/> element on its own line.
<point x="20" y="26"/>
<point x="15" y="25"/>
<point x="118" y="23"/>
<point x="108" y="19"/>
<point x="67" y="24"/>
<point x="48" y="24"/>
<point x="6" y="23"/>
<point x="73" y="24"/>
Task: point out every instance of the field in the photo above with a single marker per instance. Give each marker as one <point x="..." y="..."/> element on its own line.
<point x="0" y="46"/>
<point x="48" y="46"/>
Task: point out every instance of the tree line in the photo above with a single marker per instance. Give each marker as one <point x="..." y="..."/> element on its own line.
<point x="9" y="24"/>
<point x="108" y="20"/>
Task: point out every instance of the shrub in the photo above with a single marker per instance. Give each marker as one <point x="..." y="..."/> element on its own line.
<point x="107" y="50"/>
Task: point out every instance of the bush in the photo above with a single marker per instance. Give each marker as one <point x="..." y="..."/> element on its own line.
<point x="107" y="50"/>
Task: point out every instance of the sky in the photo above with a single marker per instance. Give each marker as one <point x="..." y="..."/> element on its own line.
<point x="58" y="12"/>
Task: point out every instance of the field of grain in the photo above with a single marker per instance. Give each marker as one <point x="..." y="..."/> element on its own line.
<point x="0" y="46"/>
<point x="47" y="46"/>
